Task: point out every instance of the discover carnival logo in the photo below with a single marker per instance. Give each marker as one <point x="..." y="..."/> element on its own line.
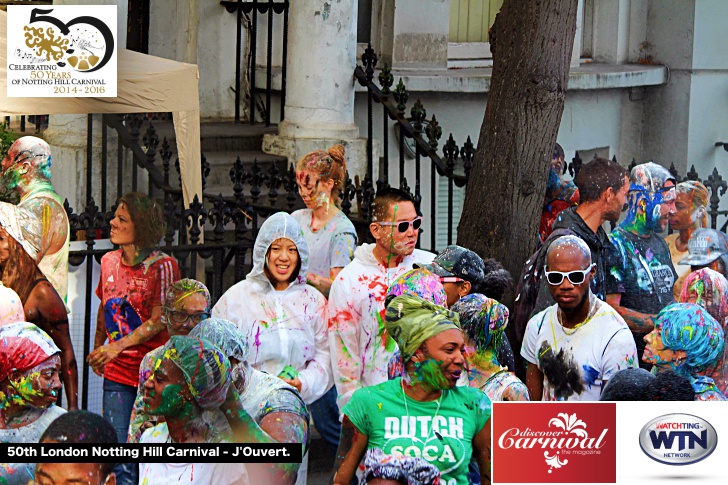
<point x="678" y="439"/>
<point x="61" y="51"/>
<point x="564" y="442"/>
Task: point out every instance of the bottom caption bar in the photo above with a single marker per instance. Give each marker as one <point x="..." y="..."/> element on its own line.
<point x="153" y="453"/>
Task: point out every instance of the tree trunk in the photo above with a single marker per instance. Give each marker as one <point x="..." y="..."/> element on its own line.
<point x="532" y="42"/>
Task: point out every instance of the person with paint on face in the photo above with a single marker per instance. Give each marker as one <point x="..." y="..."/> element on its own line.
<point x="560" y="194"/>
<point x="688" y="341"/>
<point x="186" y="304"/>
<point x="691" y="214"/>
<point x="283" y="419"/>
<point x="484" y="321"/>
<point x="707" y="248"/>
<point x="575" y="346"/>
<point x="192" y="376"/>
<point x="330" y="235"/>
<point x="133" y="283"/>
<point x="360" y="346"/>
<point x="26" y="178"/>
<point x="456" y="419"/>
<point x="331" y="239"/>
<point x="641" y="276"/>
<point x="42" y="305"/>
<point x="709" y="289"/>
<point x="30" y="364"/>
<point x="282" y="318"/>
<point x="418" y="282"/>
<point x="80" y="427"/>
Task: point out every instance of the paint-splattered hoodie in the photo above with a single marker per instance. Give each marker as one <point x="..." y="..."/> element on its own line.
<point x="360" y="346"/>
<point x="282" y="327"/>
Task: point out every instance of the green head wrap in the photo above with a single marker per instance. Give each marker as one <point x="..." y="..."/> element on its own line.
<point x="411" y="320"/>
<point x="206" y="369"/>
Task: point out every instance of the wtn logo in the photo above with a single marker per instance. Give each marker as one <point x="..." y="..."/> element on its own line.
<point x="665" y="439"/>
<point x="678" y="439"/>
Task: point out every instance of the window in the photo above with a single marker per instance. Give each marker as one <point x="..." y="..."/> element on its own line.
<point x="470" y="21"/>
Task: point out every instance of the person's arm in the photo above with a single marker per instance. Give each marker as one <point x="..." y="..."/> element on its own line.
<point x="276" y="427"/>
<point x="481" y="453"/>
<point x="534" y="382"/>
<point x="516" y="392"/>
<point x="147" y="330"/>
<point x="352" y="446"/>
<point x="316" y="376"/>
<point x="45" y="308"/>
<point x="344" y="322"/>
<point x="636" y="321"/>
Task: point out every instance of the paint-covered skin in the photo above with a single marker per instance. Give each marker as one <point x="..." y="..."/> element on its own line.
<point x="285" y="327"/>
<point x="29" y="387"/>
<point x="360" y="346"/>
<point x="690" y="342"/>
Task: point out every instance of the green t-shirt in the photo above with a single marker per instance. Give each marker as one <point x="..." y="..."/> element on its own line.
<point x="443" y="437"/>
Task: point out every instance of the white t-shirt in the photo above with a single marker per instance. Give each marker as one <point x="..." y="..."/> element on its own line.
<point x="578" y="361"/>
<point x="187" y="473"/>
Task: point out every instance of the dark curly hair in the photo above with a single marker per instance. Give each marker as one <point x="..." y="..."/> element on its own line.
<point x="497" y="280"/>
<point x="146" y="214"/>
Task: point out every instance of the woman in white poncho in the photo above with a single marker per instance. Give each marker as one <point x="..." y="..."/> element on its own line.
<point x="281" y="316"/>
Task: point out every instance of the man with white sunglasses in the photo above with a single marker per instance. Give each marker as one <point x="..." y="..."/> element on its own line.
<point x="360" y="346"/>
<point x="576" y="345"/>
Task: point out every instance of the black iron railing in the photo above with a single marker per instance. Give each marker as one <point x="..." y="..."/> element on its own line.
<point x="425" y="136"/>
<point x="247" y="20"/>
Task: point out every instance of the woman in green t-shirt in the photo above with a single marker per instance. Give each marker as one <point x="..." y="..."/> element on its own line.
<point x="421" y="414"/>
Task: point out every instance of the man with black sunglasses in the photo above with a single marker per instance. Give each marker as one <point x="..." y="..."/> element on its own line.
<point x="360" y="346"/>
<point x="576" y="345"/>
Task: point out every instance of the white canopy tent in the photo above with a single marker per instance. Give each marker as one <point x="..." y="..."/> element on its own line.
<point x="145" y="84"/>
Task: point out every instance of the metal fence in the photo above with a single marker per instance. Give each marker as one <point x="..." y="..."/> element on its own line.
<point x="248" y="21"/>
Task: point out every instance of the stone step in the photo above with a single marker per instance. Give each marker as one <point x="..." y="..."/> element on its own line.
<point x="221" y="135"/>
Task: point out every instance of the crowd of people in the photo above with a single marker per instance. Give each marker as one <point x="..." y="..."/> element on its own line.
<point x="393" y="354"/>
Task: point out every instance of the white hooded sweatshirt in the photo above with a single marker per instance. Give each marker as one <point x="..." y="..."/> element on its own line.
<point x="281" y="327"/>
<point x="360" y="346"/>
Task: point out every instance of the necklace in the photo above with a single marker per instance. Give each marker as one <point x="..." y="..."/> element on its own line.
<point x="434" y="418"/>
<point x="572" y="330"/>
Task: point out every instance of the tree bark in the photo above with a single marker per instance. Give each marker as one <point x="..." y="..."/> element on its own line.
<point x="532" y="42"/>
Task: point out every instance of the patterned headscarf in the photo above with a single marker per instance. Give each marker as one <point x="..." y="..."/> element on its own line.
<point x="422" y="283"/>
<point x="689" y="327"/>
<point x="709" y="289"/>
<point x="483" y="320"/>
<point x="225" y="335"/>
<point x="23" y="226"/>
<point x="180" y="290"/>
<point x="23" y="347"/>
<point x="205" y="367"/>
<point x="411" y="320"/>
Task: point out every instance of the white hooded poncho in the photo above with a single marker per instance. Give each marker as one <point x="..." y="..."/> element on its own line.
<point x="281" y="327"/>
